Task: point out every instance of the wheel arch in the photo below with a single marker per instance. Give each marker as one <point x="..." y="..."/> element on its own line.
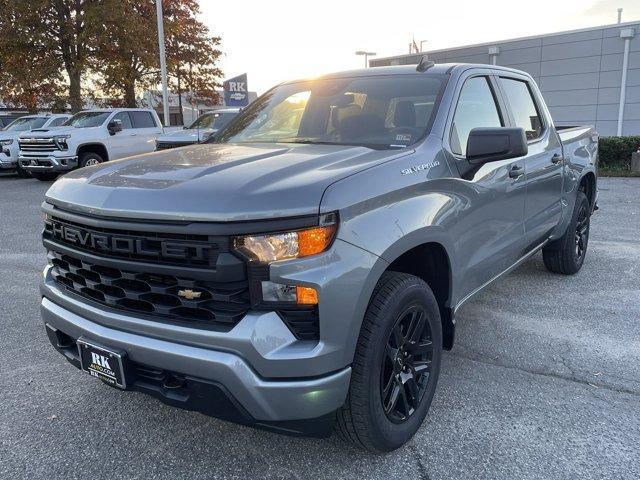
<point x="427" y="255"/>
<point x="588" y="186"/>
<point x="94" y="147"/>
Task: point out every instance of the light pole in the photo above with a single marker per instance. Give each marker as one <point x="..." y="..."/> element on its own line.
<point x="163" y="64"/>
<point x="421" y="43"/>
<point x="366" y="56"/>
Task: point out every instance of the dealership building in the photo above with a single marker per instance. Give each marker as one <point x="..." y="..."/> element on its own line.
<point x="587" y="76"/>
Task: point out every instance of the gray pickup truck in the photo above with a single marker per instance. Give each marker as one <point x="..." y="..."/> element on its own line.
<point x="303" y="272"/>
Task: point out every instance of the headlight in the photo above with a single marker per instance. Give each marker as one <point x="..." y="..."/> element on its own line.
<point x="299" y="243"/>
<point x="61" y="141"/>
<point x="6" y="142"/>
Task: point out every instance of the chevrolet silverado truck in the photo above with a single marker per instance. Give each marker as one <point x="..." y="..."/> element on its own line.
<point x="9" y="138"/>
<point x="200" y="130"/>
<point x="303" y="271"/>
<point x="90" y="137"/>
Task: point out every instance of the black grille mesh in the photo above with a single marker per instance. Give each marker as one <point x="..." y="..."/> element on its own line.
<point x="218" y="305"/>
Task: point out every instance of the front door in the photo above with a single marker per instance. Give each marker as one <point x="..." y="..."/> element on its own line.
<point x="122" y="143"/>
<point x="489" y="233"/>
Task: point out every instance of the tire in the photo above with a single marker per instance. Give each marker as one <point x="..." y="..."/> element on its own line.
<point x="397" y="301"/>
<point x="89" y="158"/>
<point x="566" y="255"/>
<point x="21" y="172"/>
<point x="45" y="176"/>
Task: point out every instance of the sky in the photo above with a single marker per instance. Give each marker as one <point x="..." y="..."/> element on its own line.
<point x="283" y="40"/>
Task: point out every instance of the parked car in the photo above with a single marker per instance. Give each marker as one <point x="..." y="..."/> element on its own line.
<point x="9" y="138"/>
<point x="199" y="131"/>
<point x="305" y="270"/>
<point x="90" y="137"/>
<point x="7" y="118"/>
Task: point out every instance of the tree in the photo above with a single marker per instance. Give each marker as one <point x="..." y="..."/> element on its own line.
<point x="127" y="53"/>
<point x="191" y="52"/>
<point x="65" y="29"/>
<point x="30" y="74"/>
<point x="126" y="56"/>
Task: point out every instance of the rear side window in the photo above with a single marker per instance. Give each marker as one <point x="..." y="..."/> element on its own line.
<point x="142" y="120"/>
<point x="523" y="107"/>
<point x="476" y="108"/>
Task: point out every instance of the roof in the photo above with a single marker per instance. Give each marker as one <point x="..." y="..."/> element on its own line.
<point x="437" y="68"/>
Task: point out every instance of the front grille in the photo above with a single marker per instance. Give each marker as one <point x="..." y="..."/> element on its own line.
<point x="37" y="145"/>
<point x="218" y="305"/>
<point x="168" y="145"/>
<point x="199" y="251"/>
<point x="209" y="286"/>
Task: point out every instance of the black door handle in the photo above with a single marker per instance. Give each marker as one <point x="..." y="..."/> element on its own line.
<point x="515" y="171"/>
<point x="557" y="158"/>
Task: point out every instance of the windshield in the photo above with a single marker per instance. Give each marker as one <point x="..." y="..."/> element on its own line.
<point x="25" y="123"/>
<point x="214" y="120"/>
<point x="87" y="119"/>
<point x="377" y="112"/>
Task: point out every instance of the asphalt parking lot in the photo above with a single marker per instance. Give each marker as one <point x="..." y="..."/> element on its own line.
<point x="544" y="382"/>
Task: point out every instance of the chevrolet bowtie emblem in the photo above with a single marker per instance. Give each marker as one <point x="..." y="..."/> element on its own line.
<point x="189" y="294"/>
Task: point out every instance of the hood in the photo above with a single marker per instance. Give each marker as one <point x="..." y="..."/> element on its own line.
<point x="187" y="135"/>
<point x="9" y="135"/>
<point x="60" y="130"/>
<point x="214" y="182"/>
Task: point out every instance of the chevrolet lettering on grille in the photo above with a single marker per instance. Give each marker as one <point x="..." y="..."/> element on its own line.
<point x="118" y="244"/>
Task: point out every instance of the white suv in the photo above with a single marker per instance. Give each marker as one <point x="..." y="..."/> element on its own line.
<point x="9" y="137"/>
<point x="88" y="138"/>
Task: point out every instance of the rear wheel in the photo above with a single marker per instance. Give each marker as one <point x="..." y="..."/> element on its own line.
<point x="45" y="176"/>
<point x="566" y="255"/>
<point x="396" y="365"/>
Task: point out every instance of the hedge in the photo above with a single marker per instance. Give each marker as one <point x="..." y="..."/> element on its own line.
<point x="615" y="153"/>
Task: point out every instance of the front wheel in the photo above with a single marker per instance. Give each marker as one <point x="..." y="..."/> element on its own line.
<point x="88" y="159"/>
<point x="396" y="365"/>
<point x="566" y="255"/>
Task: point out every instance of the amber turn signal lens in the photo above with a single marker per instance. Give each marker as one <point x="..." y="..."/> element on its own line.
<point x="315" y="240"/>
<point x="306" y="296"/>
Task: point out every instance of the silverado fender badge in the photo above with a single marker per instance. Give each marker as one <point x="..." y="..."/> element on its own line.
<point x="419" y="168"/>
<point x="189" y="294"/>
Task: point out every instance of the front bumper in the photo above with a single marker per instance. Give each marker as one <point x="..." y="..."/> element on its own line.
<point x="8" y="158"/>
<point x="213" y="379"/>
<point x="48" y="163"/>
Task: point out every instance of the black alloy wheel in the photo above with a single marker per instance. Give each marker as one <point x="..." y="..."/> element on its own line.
<point x="582" y="232"/>
<point x="406" y="364"/>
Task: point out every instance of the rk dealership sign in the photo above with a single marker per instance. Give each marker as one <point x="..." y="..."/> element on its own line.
<point x="236" y="93"/>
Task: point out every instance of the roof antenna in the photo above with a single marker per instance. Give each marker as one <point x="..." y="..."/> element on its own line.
<point x="424" y="64"/>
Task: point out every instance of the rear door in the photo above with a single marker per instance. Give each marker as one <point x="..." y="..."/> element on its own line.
<point x="146" y="130"/>
<point x="489" y="233"/>
<point x="544" y="162"/>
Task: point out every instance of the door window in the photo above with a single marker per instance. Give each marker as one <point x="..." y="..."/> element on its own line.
<point x="57" y="121"/>
<point x="125" y="119"/>
<point x="523" y="107"/>
<point x="142" y="120"/>
<point x="476" y="108"/>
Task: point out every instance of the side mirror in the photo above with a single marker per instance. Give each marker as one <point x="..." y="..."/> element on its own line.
<point x="493" y="144"/>
<point x="114" y="126"/>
